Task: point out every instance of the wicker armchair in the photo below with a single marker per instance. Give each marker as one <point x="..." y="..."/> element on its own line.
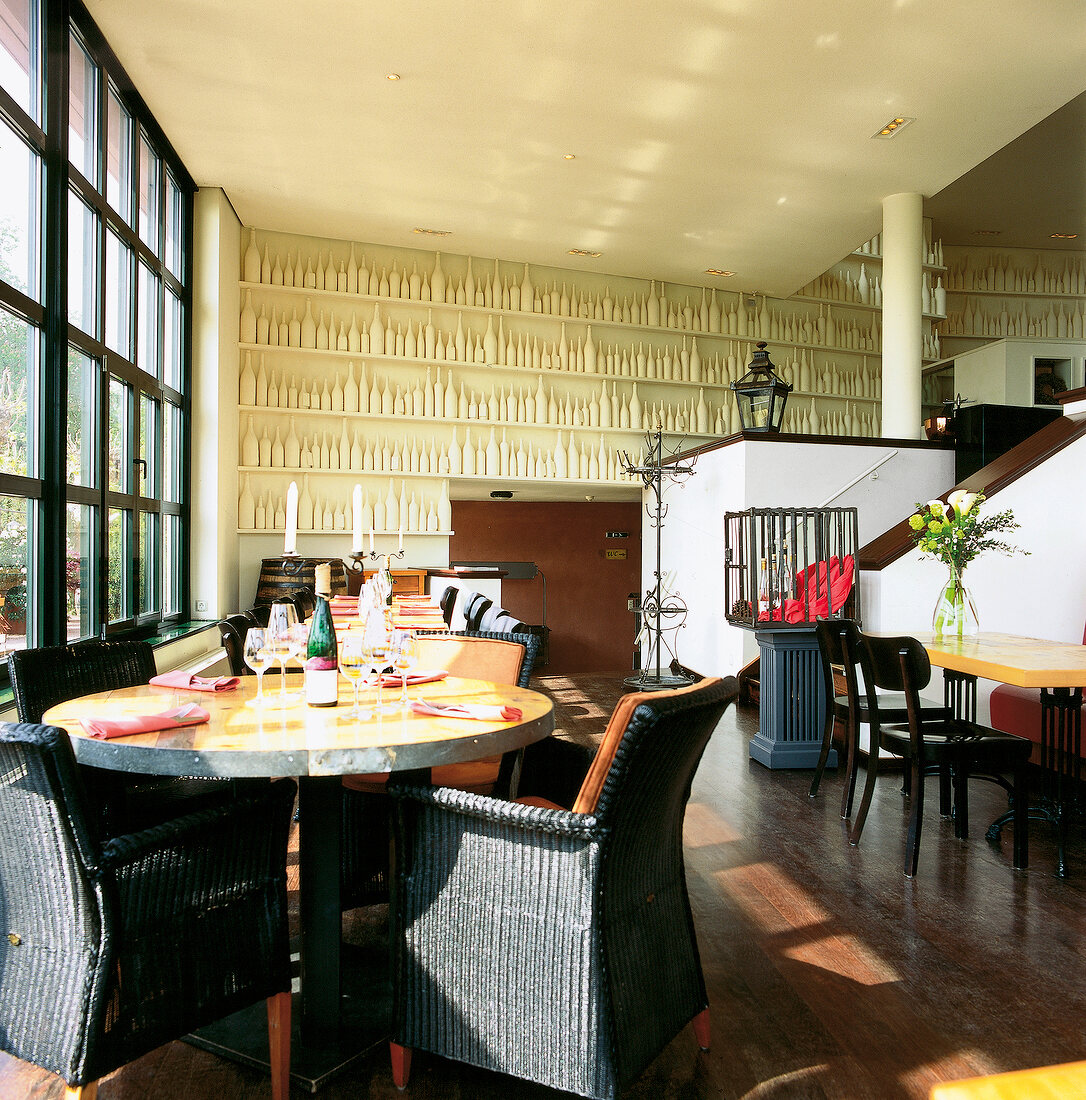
<point x="41" y="678"/>
<point x="557" y="946"/>
<point x="114" y="948"/>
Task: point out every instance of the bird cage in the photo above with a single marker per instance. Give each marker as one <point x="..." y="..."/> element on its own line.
<point x="787" y="567"/>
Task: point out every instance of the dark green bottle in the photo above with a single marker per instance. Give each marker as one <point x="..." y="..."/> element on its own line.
<point x="321" y="651"/>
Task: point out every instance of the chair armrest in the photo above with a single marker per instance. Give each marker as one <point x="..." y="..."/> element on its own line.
<point x="194" y="861"/>
<point x="526" y="819"/>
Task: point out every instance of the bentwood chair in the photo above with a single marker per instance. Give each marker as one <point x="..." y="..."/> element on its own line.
<point x="114" y="948"/>
<point x="557" y="945"/>
<point x="968" y="749"/>
<point x="41" y="678"/>
<point x="839" y="647"/>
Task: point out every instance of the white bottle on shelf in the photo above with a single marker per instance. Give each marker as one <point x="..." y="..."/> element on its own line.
<point x="246" y="507"/>
<point x="251" y="262"/>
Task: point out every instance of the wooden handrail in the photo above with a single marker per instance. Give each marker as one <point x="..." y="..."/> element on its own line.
<point x="989" y="480"/>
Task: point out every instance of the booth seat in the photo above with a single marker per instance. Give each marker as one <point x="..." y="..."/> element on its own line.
<point x="1018" y="710"/>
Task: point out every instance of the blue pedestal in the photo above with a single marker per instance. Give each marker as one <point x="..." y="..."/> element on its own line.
<point x="793" y="701"/>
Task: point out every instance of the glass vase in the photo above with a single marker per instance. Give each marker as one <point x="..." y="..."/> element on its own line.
<point x="955" y="614"/>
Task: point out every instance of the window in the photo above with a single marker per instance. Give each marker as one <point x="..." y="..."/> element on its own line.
<point x="93" y="419"/>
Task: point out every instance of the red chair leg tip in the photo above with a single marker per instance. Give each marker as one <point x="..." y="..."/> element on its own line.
<point x="701" y="1029"/>
<point x="401" y="1065"/>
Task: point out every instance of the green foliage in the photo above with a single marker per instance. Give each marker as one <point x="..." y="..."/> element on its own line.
<point x="955" y="532"/>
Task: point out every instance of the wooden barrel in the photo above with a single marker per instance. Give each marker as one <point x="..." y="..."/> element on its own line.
<point x="282" y="576"/>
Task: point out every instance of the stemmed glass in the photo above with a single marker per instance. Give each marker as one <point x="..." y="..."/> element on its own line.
<point x="258" y="658"/>
<point x="405" y="655"/>
<point x="354" y="662"/>
<point x="282" y="619"/>
<point x="379" y="651"/>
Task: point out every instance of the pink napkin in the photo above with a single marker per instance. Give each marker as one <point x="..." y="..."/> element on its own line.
<point x="185" y="681"/>
<point x="105" y="728"/>
<point x="474" y="710"/>
<point x="414" y="678"/>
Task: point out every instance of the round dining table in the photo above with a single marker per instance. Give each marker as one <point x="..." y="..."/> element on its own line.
<point x="317" y="746"/>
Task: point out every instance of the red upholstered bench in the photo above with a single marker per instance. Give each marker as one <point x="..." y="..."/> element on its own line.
<point x="1018" y="710"/>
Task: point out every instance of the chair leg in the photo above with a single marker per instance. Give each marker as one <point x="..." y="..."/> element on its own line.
<point x="279" y="1044"/>
<point x="824" y="753"/>
<point x="960" y="773"/>
<point x="1021" y="817"/>
<point x="869" y="789"/>
<point x="401" y="1064"/>
<point x="89" y="1091"/>
<point x="916" y="818"/>
<point x="945" y="806"/>
<point x="852" y="734"/>
<point x="701" y="1028"/>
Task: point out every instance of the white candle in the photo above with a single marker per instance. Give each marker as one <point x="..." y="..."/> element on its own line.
<point x="290" y="543"/>
<point x="356" y="507"/>
<point x="401" y="539"/>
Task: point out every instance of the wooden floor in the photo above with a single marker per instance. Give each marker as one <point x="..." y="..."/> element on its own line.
<point x="830" y="975"/>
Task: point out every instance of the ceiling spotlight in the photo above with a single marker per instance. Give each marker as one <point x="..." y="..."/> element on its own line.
<point x="987" y="232"/>
<point x="719" y="271"/>
<point x="570" y="156"/>
<point x="433" y="232"/>
<point x="894" y="126"/>
<point x="1063" y="236"/>
<point x="585" y="252"/>
<point x="392" y="76"/>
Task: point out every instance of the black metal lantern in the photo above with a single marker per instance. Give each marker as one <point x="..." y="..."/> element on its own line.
<point x="761" y="394"/>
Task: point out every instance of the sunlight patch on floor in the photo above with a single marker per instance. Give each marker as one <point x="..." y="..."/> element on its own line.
<point x="703" y="827"/>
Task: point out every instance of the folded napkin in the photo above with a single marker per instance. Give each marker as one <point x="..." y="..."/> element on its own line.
<point x="473" y="710"/>
<point x="105" y="728"/>
<point x="185" y="681"/>
<point x="414" y="678"/>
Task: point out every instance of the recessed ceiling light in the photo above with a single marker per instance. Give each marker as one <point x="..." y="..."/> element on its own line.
<point x="433" y="232"/>
<point x="1063" y="236"/>
<point x="392" y="76"/>
<point x="570" y="156"/>
<point x="894" y="126"/>
<point x="987" y="232"/>
<point x="718" y="271"/>
<point x="584" y="252"/>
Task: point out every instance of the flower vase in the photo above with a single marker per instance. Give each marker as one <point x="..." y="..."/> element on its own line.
<point x="955" y="614"/>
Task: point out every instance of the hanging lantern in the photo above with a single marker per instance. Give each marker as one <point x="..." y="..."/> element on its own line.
<point x="761" y="394"/>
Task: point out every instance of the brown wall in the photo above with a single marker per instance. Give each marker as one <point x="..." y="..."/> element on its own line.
<point x="591" y="629"/>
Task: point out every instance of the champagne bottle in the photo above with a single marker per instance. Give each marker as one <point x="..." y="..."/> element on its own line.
<point x="321" y="671"/>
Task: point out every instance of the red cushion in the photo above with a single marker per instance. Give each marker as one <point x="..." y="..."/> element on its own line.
<point x="1018" y="710"/>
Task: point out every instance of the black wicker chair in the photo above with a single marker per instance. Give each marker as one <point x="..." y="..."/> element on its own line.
<point x="232" y="631"/>
<point x="557" y="946"/>
<point x="114" y="948"/>
<point x="364" y="878"/>
<point x="41" y="678"/>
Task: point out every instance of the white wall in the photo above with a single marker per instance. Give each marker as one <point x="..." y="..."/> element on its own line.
<point x="774" y="474"/>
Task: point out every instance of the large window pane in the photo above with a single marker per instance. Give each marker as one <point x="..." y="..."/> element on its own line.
<point x="119" y="458"/>
<point x="80" y="578"/>
<point x="171" y="341"/>
<point x="83" y="112"/>
<point x="82" y="265"/>
<point x="149" y="563"/>
<point x="147" y="327"/>
<point x="171" y="453"/>
<point x="171" y="565"/>
<point x="173" y="227"/>
<point x="18" y="374"/>
<point x="118" y="157"/>
<point x="149" y="450"/>
<point x="118" y="583"/>
<point x="118" y="281"/>
<point x="20" y="53"/>
<point x="15" y="578"/>
<point x="82" y="417"/>
<point x="20" y="170"/>
<point x="150" y="197"/>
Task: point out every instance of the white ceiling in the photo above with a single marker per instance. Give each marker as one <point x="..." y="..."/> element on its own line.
<point x="708" y="133"/>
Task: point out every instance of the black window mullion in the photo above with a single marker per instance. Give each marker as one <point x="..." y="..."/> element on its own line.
<point x="52" y="396"/>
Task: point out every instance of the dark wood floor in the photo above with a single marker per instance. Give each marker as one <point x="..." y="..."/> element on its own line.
<point x="830" y="975"/>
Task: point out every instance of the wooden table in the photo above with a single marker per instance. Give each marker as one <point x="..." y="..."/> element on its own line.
<point x="1048" y="1083"/>
<point x="317" y="745"/>
<point x="1058" y="671"/>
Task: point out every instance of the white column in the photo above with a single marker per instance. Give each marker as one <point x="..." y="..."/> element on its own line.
<point x="902" y="315"/>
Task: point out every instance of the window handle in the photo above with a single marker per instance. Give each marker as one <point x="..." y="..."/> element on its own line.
<point x="142" y="464"/>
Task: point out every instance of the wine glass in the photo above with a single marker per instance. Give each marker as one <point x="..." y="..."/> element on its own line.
<point x="282" y="619"/>
<point x="258" y="658"/>
<point x="354" y="662"/>
<point x="405" y="655"/>
<point x="379" y="650"/>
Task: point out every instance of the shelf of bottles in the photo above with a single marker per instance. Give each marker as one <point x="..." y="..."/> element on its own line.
<point x="1017" y="293"/>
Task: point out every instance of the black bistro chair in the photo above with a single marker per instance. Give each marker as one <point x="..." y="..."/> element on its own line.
<point x="967" y="749"/>
<point x="114" y="948"/>
<point x="557" y="945"/>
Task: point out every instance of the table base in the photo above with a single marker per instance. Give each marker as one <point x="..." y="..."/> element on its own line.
<point x="315" y="1058"/>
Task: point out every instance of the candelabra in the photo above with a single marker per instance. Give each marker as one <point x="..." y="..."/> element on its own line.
<point x="360" y="557"/>
<point x="659" y="602"/>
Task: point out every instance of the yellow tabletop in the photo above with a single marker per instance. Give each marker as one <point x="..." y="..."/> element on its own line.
<point x="275" y="739"/>
<point x="1008" y="658"/>
<point x="1049" y="1083"/>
